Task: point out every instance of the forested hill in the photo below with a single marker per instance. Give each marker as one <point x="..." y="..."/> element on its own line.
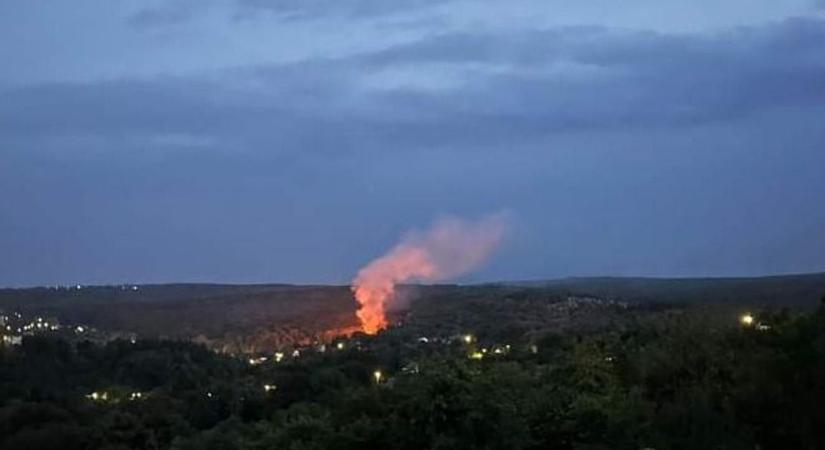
<point x="790" y="290"/>
<point x="218" y="311"/>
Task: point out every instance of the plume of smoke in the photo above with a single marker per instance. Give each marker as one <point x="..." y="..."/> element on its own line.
<point x="450" y="248"/>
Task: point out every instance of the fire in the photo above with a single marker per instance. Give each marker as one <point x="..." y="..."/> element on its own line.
<point x="450" y="248"/>
<point x="375" y="286"/>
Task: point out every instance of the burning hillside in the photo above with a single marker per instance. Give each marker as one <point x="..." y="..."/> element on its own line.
<point x="450" y="248"/>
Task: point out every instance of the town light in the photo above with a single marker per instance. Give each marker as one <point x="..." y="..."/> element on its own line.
<point x="468" y="338"/>
<point x="746" y="320"/>
<point x="98" y="396"/>
<point x="377" y="375"/>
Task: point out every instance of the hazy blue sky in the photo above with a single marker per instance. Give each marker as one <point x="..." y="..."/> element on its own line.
<point x="295" y="140"/>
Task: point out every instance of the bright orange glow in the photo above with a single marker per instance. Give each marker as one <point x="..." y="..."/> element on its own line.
<point x="450" y="248"/>
<point x="375" y="286"/>
<point x="335" y="333"/>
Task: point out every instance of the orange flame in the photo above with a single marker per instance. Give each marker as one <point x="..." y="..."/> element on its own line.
<point x="450" y="248"/>
<point x="375" y="286"/>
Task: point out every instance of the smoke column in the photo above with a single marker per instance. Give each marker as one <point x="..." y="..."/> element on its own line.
<point x="451" y="247"/>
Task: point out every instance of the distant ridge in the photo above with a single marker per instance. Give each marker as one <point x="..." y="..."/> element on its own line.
<point x="791" y="290"/>
<point x="805" y="290"/>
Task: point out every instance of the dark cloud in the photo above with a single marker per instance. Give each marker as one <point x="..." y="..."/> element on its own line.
<point x="606" y="142"/>
<point x="486" y="86"/>
<point x="599" y="77"/>
<point x="179" y="11"/>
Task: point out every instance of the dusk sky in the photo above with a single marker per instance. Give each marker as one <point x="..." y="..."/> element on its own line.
<point x="296" y="140"/>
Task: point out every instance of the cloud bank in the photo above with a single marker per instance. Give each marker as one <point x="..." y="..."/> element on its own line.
<point x="608" y="130"/>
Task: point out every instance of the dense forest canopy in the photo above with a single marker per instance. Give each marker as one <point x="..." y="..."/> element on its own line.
<point x="664" y="379"/>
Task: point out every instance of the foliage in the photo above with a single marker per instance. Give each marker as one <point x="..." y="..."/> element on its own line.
<point x="665" y="381"/>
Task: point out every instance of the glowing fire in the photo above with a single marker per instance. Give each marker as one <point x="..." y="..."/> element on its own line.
<point x="450" y="248"/>
<point x="375" y="285"/>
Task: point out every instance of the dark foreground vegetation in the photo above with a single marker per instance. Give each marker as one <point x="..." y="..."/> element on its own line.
<point x="663" y="380"/>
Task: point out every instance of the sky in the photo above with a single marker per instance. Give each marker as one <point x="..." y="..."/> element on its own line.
<point x="296" y="140"/>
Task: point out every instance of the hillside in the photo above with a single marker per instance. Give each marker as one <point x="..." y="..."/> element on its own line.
<point x="250" y="318"/>
<point x="803" y="290"/>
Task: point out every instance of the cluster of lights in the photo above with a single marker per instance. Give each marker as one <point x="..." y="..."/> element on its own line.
<point x="98" y="396"/>
<point x="257" y="361"/>
<point x="39" y="324"/>
<point x="103" y="396"/>
<point x="58" y="287"/>
<point x="480" y="354"/>
<point x="270" y="387"/>
<point x="13" y="340"/>
<point x="279" y="356"/>
<point x="747" y="320"/>
<point x="499" y="350"/>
